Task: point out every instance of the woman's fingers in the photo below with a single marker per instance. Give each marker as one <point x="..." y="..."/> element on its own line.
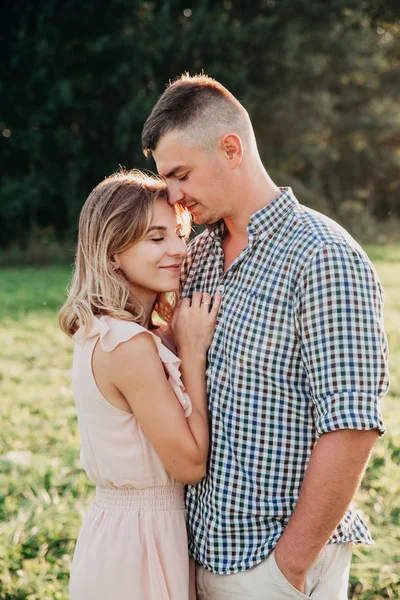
<point x="216" y="304"/>
<point x="196" y="300"/>
<point x="184" y="303"/>
<point x="194" y="322"/>
<point x="205" y="302"/>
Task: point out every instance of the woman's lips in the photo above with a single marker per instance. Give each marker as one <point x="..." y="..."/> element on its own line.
<point x="173" y="268"/>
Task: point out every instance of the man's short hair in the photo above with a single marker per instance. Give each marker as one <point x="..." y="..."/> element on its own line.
<point x="200" y="108"/>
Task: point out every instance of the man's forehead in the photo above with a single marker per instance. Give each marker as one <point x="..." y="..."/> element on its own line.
<point x="171" y="154"/>
<point x="170" y="141"/>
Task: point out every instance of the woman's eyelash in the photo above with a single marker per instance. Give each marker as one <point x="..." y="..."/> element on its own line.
<point x="183" y="178"/>
<point x="182" y="236"/>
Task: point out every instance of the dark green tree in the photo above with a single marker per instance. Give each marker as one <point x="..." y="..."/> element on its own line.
<point x="77" y="81"/>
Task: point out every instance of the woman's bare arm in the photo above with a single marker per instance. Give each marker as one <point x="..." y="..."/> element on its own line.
<point x="137" y="373"/>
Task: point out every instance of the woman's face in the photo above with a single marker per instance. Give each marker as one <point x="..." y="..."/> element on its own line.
<point x="153" y="265"/>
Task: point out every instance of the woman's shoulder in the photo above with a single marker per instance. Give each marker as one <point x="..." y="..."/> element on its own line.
<point x="143" y="351"/>
<point x="111" y="331"/>
<point x="140" y="350"/>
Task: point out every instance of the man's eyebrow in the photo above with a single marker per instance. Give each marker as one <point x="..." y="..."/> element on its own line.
<point x="174" y="171"/>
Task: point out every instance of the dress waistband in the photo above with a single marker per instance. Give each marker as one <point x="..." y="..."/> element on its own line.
<point x="169" y="497"/>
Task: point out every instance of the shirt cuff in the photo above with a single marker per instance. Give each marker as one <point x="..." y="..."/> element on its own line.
<point x="349" y="410"/>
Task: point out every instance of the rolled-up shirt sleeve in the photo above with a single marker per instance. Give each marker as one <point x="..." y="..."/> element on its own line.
<point x="339" y="315"/>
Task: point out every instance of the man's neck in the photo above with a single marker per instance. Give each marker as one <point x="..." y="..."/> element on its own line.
<point x="258" y="190"/>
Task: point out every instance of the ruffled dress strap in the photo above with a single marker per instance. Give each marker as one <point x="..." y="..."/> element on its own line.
<point x="113" y="332"/>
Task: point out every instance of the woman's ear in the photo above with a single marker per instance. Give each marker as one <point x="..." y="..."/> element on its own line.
<point x="114" y="262"/>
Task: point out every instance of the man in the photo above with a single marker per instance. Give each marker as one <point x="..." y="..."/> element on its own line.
<point x="297" y="365"/>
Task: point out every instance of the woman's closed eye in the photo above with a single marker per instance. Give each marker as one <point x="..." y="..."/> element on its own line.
<point x="183" y="177"/>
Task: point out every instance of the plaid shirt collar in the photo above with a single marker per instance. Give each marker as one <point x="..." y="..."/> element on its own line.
<point x="262" y="223"/>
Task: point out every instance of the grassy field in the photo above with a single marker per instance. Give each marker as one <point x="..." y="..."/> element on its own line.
<point x="44" y="493"/>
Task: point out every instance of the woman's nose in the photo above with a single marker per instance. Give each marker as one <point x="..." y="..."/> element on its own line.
<point x="178" y="248"/>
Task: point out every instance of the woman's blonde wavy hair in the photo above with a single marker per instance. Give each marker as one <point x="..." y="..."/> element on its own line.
<point x="116" y="214"/>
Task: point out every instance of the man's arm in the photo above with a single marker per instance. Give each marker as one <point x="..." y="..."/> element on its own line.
<point x="333" y="475"/>
<point x="344" y="351"/>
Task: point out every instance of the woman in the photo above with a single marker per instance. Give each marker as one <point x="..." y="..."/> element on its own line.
<point x="142" y="430"/>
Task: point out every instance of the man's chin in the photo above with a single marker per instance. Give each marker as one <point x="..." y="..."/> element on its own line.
<point x="199" y="220"/>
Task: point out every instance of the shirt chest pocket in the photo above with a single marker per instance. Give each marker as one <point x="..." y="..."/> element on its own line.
<point x="258" y="331"/>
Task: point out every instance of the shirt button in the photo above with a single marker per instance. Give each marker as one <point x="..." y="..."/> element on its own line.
<point x="192" y="490"/>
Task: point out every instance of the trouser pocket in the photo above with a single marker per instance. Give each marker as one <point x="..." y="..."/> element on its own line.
<point x="284" y="589"/>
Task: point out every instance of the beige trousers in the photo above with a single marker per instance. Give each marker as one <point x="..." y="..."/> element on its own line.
<point x="327" y="579"/>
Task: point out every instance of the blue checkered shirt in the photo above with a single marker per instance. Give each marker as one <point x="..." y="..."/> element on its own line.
<point x="299" y="350"/>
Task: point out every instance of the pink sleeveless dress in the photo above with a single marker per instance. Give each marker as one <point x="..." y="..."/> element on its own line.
<point x="133" y="541"/>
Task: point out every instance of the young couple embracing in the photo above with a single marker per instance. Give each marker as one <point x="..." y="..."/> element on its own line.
<point x="227" y="390"/>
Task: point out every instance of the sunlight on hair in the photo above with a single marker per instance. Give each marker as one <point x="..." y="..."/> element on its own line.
<point x="185" y="220"/>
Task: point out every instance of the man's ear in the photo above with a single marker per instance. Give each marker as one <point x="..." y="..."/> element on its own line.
<point x="232" y="146"/>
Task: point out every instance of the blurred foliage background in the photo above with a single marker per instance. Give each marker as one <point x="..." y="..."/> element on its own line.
<point x="320" y="79"/>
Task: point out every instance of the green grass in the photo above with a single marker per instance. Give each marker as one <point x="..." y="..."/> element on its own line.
<point x="44" y="493"/>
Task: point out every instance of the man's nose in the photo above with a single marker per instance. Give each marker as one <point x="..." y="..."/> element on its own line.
<point x="174" y="195"/>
